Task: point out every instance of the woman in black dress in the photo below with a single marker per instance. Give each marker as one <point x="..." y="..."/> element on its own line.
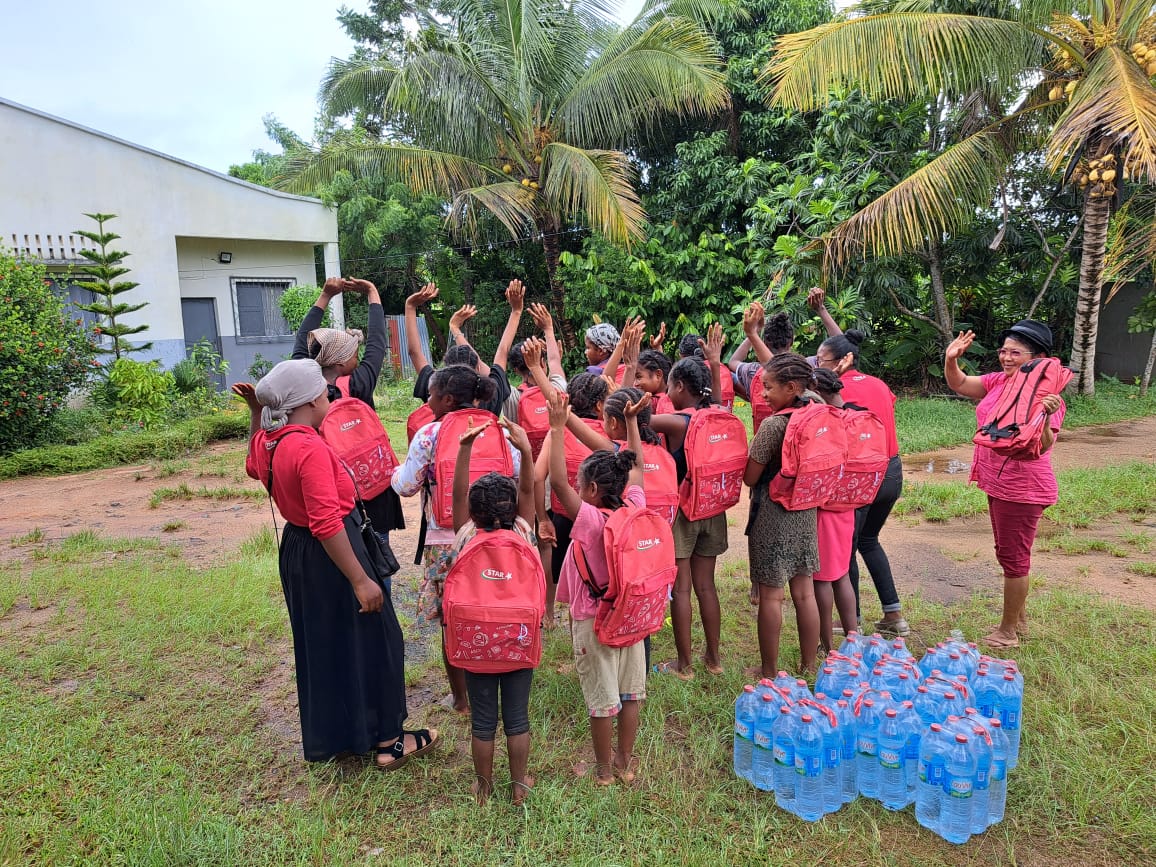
<point x="347" y="644"/>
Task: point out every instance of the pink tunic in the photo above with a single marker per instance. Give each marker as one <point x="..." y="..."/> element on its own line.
<point x="835" y="532"/>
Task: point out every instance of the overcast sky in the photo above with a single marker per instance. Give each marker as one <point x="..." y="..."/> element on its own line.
<point x="189" y="79"/>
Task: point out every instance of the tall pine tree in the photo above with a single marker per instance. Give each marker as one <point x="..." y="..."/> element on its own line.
<point x="102" y="273"/>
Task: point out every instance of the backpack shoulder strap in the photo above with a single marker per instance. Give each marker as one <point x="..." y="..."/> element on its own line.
<point x="583" y="566"/>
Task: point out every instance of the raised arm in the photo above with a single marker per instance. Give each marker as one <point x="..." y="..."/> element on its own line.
<point x="461" y="316"/>
<point x="816" y="300"/>
<point x="363" y="380"/>
<point x="754" y="317"/>
<point x="610" y="368"/>
<point x="519" y="440"/>
<point x="247" y="393"/>
<point x="461" y="489"/>
<point x="739" y="356"/>
<point x="632" y="345"/>
<point x="515" y="297"/>
<point x="333" y="286"/>
<point x="587" y="435"/>
<point x="532" y="355"/>
<point x="712" y="349"/>
<point x="957" y="380"/>
<point x="559" y="479"/>
<point x="634" y="438"/>
<point x="413" y="303"/>
<point x="545" y="322"/>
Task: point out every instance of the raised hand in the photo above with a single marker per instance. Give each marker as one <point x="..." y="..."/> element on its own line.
<point x="247" y="393"/>
<point x="517" y="435"/>
<point x="543" y="321"/>
<point x="532" y="350"/>
<point x="959" y="346"/>
<point x="363" y="287"/>
<point x="611" y="385"/>
<point x="472" y="433"/>
<point x="660" y="338"/>
<point x="559" y="405"/>
<point x="631" y="410"/>
<point x="333" y="286"/>
<point x="462" y="315"/>
<point x="516" y="295"/>
<point x="816" y="298"/>
<point x="753" y="318"/>
<point x="713" y="345"/>
<point x="422" y="296"/>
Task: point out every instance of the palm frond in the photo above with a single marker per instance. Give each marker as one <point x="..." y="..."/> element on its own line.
<point x="937" y="198"/>
<point x="671" y="68"/>
<point x="513" y="205"/>
<point x="1116" y="105"/>
<point x="901" y="55"/>
<point x="704" y="12"/>
<point x="595" y="184"/>
<point x="355" y="84"/>
<point x="425" y="171"/>
<point x="1131" y="242"/>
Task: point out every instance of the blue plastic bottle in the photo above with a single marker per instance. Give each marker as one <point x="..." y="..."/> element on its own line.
<point x="762" y="753"/>
<point x="765" y="686"/>
<point x="828" y="723"/>
<point x="783" y="744"/>
<point x="898" y="649"/>
<point x="932" y="763"/>
<point x="914" y="727"/>
<point x="808" y="741"/>
<point x="927" y="706"/>
<point x="997" y="797"/>
<point x="784" y="682"/>
<point x="958" y="784"/>
<point x="745" y="733"/>
<point x="800" y="690"/>
<point x="892" y="749"/>
<point x="986" y="689"/>
<point x="981" y="792"/>
<point x="867" y="750"/>
<point x="1011" y="703"/>
<point x="930" y="661"/>
<point x="849" y="767"/>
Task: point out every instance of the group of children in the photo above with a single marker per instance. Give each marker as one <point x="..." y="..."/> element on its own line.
<point x="618" y="435"/>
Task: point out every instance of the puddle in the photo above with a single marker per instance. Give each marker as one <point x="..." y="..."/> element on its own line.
<point x="951" y="466"/>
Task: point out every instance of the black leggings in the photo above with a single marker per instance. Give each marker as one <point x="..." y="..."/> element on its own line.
<point x="483" y="690"/>
<point x="869" y="521"/>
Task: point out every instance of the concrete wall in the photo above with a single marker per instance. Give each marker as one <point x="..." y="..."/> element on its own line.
<point x="53" y="171"/>
<point x="1119" y="353"/>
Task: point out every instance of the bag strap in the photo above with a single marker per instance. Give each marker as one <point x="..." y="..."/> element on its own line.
<point x="583" y="567"/>
<point x="272" y="447"/>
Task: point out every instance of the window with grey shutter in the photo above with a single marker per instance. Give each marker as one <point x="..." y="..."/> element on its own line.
<point x="258" y="314"/>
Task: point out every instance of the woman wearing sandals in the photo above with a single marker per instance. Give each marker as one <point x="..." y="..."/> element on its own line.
<point x="347" y="645"/>
<point x="1017" y="491"/>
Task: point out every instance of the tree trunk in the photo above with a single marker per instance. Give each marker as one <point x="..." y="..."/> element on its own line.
<point x="467" y="275"/>
<point x="1087" y="324"/>
<point x="553" y="251"/>
<point x="943" y="318"/>
<point x="1146" y="381"/>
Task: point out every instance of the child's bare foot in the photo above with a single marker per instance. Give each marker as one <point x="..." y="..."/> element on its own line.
<point x="625" y="769"/>
<point x="712" y="667"/>
<point x="481" y="789"/>
<point x="519" y="789"/>
<point x="672" y="667"/>
<point x="603" y="774"/>
<point x="460" y="706"/>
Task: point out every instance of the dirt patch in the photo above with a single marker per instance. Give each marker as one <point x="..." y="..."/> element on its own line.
<point x="23" y="618"/>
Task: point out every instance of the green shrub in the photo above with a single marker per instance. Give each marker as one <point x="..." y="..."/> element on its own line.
<point x="140" y="391"/>
<point x="44" y="354"/>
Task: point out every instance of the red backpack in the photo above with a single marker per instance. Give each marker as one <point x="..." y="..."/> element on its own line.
<point x="418" y="419"/>
<point x="534" y="417"/>
<point x="491" y="453"/>
<point x="355" y="432"/>
<point x="493" y="603"/>
<point x="1014" y="426"/>
<point x="576" y="453"/>
<point x="659" y="481"/>
<point x="760" y="409"/>
<point x="814" y="450"/>
<point x="716" y="457"/>
<point x="639" y="550"/>
<point x="865" y="464"/>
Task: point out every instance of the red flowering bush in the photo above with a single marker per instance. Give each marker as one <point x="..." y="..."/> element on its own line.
<point x="44" y="353"/>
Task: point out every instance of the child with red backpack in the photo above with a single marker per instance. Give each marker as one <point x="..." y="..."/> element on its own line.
<point x="493" y="603"/>
<point x="784" y="545"/>
<point x="613" y="678"/>
<point x="457" y="394"/>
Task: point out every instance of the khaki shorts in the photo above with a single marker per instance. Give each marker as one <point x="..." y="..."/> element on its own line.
<point x="608" y="675"/>
<point x="706" y="538"/>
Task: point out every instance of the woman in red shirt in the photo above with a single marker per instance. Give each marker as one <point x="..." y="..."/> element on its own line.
<point x="347" y="644"/>
<point x="841" y="353"/>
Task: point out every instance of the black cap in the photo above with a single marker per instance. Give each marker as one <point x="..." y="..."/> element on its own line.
<point x="1035" y="334"/>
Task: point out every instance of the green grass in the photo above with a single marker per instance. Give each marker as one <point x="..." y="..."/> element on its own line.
<point x="134" y="717"/>
<point x="1086" y="496"/>
<point x="1148" y="569"/>
<point x="1070" y="543"/>
<point x="184" y="492"/>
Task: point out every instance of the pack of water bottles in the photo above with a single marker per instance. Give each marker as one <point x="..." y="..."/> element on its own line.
<point x="940" y="733"/>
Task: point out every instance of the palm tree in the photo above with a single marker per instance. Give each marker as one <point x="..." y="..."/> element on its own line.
<point x="519" y="113"/>
<point x="1077" y="85"/>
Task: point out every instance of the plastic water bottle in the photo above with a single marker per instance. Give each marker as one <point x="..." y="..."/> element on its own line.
<point x="783" y="744"/>
<point x="762" y="753"/>
<point x="873" y="649"/>
<point x="1011" y="703"/>
<point x="981" y="792"/>
<point x="848" y="767"/>
<point x="784" y="682"/>
<point x="958" y="785"/>
<point x="932" y="763"/>
<point x="764" y="687"/>
<point x="926" y="706"/>
<point x="851" y="643"/>
<point x="745" y="708"/>
<point x="986" y="692"/>
<point x="800" y="690"/>
<point x="892" y="749"/>
<point x="867" y="750"/>
<point x="930" y="661"/>
<point x="832" y="758"/>
<point x="808" y="741"/>
<point x="899" y="649"/>
<point x="914" y="728"/>
<point x="997" y="797"/>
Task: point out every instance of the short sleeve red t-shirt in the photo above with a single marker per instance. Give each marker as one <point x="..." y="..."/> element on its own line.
<point x="310" y="487"/>
<point x="872" y="393"/>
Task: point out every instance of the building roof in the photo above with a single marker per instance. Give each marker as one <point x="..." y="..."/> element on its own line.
<point x="50" y="117"/>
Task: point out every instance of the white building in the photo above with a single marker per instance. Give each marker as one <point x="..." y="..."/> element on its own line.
<point x="211" y="252"/>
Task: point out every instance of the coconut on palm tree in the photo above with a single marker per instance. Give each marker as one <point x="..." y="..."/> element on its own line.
<point x="519" y="113"/>
<point x="1077" y="85"/>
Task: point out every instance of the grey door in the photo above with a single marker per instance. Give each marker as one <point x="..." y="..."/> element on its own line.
<point x="199" y="316"/>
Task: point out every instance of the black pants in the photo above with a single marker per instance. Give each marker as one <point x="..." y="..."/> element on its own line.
<point x="869" y="521"/>
<point x="515" y="692"/>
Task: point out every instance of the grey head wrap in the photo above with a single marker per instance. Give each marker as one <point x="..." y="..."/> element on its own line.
<point x="287" y="386"/>
<point x="603" y="335"/>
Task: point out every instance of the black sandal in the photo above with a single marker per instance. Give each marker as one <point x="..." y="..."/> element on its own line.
<point x="422" y="739"/>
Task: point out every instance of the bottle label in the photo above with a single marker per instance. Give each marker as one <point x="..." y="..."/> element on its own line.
<point x="1011" y="719"/>
<point x="937" y="774"/>
<point x="832" y="758"/>
<point x="959" y="787"/>
<point x="981" y="778"/>
<point x="867" y="746"/>
<point x="999" y="769"/>
<point x="781" y="756"/>
<point x="743" y="730"/>
<point x="761" y="740"/>
<point x="808" y="766"/>
<point x="890" y="758"/>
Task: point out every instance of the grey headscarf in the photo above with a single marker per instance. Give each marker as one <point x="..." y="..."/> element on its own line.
<point x="603" y="335"/>
<point x="287" y="386"/>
